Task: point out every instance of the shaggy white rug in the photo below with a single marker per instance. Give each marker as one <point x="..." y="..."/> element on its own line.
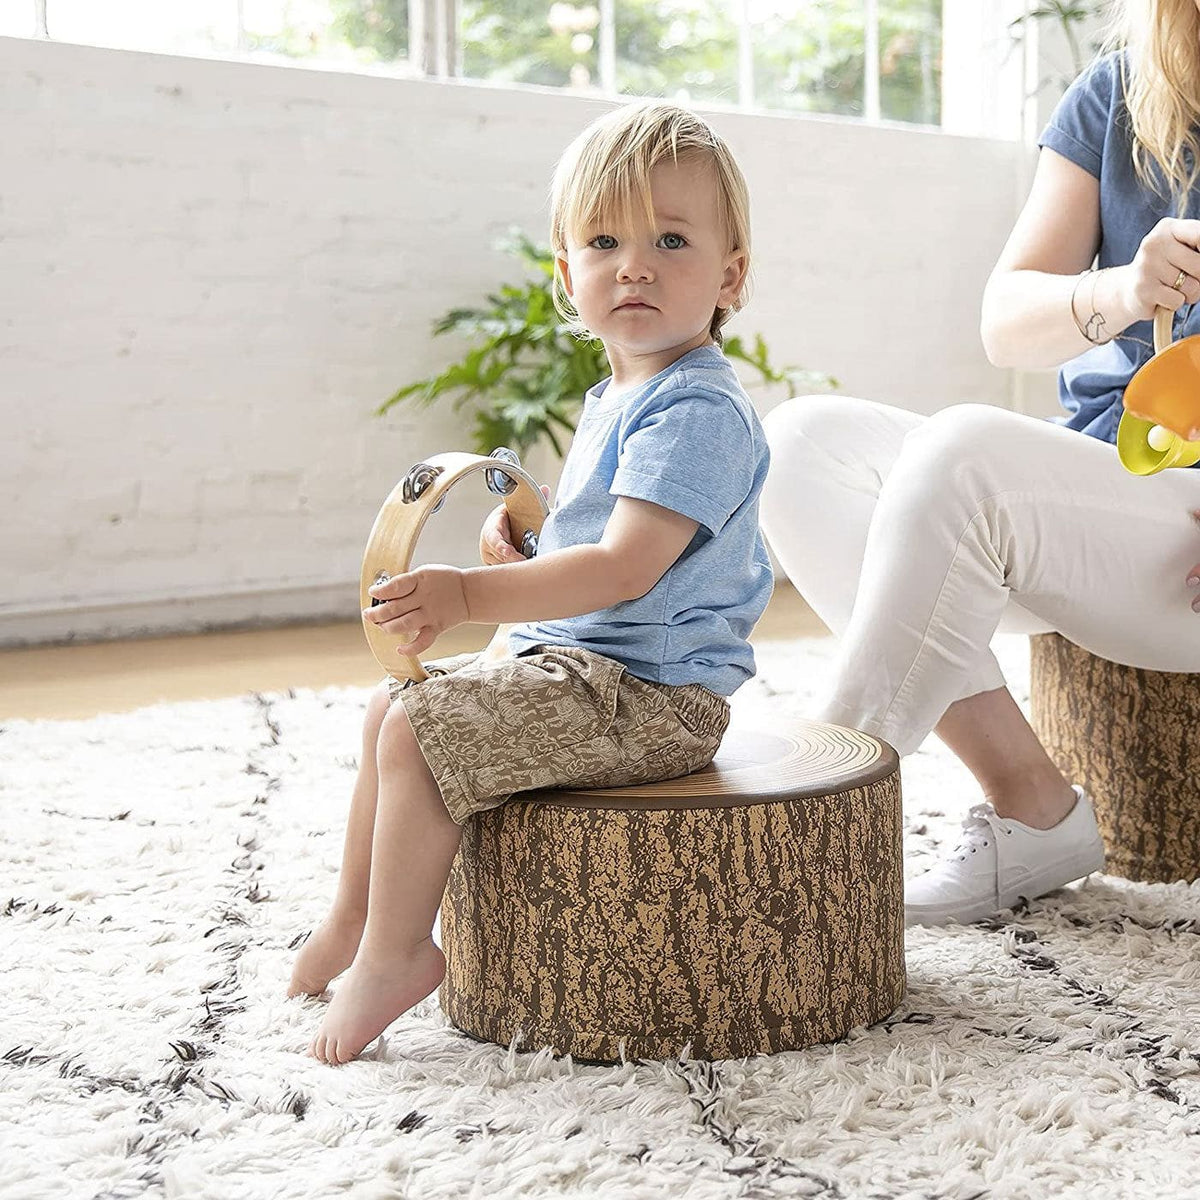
<point x="158" y="868"/>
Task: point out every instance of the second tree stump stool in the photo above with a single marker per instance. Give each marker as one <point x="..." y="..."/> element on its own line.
<point x="753" y="907"/>
<point x="1132" y="738"/>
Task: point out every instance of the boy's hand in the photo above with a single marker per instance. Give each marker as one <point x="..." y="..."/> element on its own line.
<point x="421" y="604"/>
<point x="495" y="538"/>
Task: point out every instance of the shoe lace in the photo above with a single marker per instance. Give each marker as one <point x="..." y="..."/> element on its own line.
<point x="979" y="827"/>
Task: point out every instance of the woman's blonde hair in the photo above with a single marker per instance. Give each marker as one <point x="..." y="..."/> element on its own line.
<point x="1161" y="39"/>
<point x="604" y="176"/>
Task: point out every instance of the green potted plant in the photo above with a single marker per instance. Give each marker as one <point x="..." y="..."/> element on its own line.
<point x="526" y="374"/>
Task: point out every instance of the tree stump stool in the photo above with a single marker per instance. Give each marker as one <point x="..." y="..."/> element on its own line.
<point x="1132" y="738"/>
<point x="752" y="907"/>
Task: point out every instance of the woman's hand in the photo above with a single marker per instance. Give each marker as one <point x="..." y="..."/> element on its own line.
<point x="421" y="604"/>
<point x="1148" y="282"/>
<point x="495" y="538"/>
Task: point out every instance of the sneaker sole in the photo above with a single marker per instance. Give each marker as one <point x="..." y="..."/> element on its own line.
<point x="1077" y="868"/>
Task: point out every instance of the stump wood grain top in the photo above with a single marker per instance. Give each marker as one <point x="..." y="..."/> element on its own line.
<point x="759" y="762"/>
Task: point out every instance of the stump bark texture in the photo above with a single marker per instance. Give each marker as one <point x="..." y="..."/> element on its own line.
<point x="752" y="907"/>
<point x="1132" y="738"/>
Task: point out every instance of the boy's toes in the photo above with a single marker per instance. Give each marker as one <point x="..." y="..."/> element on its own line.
<point x="330" y="1050"/>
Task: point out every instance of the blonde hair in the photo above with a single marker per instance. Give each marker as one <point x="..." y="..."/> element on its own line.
<point x="1161" y="39"/>
<point x="604" y="175"/>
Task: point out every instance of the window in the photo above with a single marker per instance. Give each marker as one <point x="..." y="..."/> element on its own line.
<point x="350" y="33"/>
<point x="876" y="59"/>
<point x="873" y="58"/>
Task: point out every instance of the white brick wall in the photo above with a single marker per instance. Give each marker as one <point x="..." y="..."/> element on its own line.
<point x="210" y="273"/>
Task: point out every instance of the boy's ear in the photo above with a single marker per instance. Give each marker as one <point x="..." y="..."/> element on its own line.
<point x="733" y="280"/>
<point x="564" y="273"/>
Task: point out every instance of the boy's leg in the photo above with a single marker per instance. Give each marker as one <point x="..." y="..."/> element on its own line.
<point x="449" y="747"/>
<point x="330" y="948"/>
<point x="414" y="845"/>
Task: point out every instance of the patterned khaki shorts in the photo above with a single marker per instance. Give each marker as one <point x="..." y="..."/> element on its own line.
<point x="557" y="716"/>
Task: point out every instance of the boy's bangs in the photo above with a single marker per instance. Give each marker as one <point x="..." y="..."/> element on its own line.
<point x="609" y="198"/>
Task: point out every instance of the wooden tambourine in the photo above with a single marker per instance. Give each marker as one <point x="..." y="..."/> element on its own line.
<point x="403" y="515"/>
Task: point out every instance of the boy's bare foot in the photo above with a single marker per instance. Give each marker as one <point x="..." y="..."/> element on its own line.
<point x="371" y="997"/>
<point x="330" y="949"/>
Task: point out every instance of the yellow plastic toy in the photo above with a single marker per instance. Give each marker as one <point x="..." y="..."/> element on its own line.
<point x="1160" y="427"/>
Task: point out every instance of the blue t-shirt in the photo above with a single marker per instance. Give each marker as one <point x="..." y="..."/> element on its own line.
<point x="688" y="440"/>
<point x="1091" y="126"/>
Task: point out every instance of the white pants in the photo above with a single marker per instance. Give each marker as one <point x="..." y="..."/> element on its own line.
<point x="914" y="538"/>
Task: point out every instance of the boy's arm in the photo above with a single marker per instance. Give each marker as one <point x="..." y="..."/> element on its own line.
<point x="640" y="542"/>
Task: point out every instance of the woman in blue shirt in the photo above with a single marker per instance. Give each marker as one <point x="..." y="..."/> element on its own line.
<point x="916" y="538"/>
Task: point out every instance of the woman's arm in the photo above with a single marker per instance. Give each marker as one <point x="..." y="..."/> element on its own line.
<point x="640" y="542"/>
<point x="1027" y="317"/>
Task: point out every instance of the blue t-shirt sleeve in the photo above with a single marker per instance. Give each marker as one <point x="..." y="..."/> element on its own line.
<point x="691" y="452"/>
<point x="1078" y="126"/>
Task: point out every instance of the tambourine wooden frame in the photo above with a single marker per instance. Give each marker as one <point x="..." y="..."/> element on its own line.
<point x="398" y="527"/>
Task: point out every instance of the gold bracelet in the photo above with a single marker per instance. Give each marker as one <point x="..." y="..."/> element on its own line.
<point x="1093" y="331"/>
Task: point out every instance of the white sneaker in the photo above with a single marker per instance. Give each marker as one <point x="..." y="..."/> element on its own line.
<point x="999" y="860"/>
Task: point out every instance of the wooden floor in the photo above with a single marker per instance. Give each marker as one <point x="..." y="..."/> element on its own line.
<point x="83" y="680"/>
